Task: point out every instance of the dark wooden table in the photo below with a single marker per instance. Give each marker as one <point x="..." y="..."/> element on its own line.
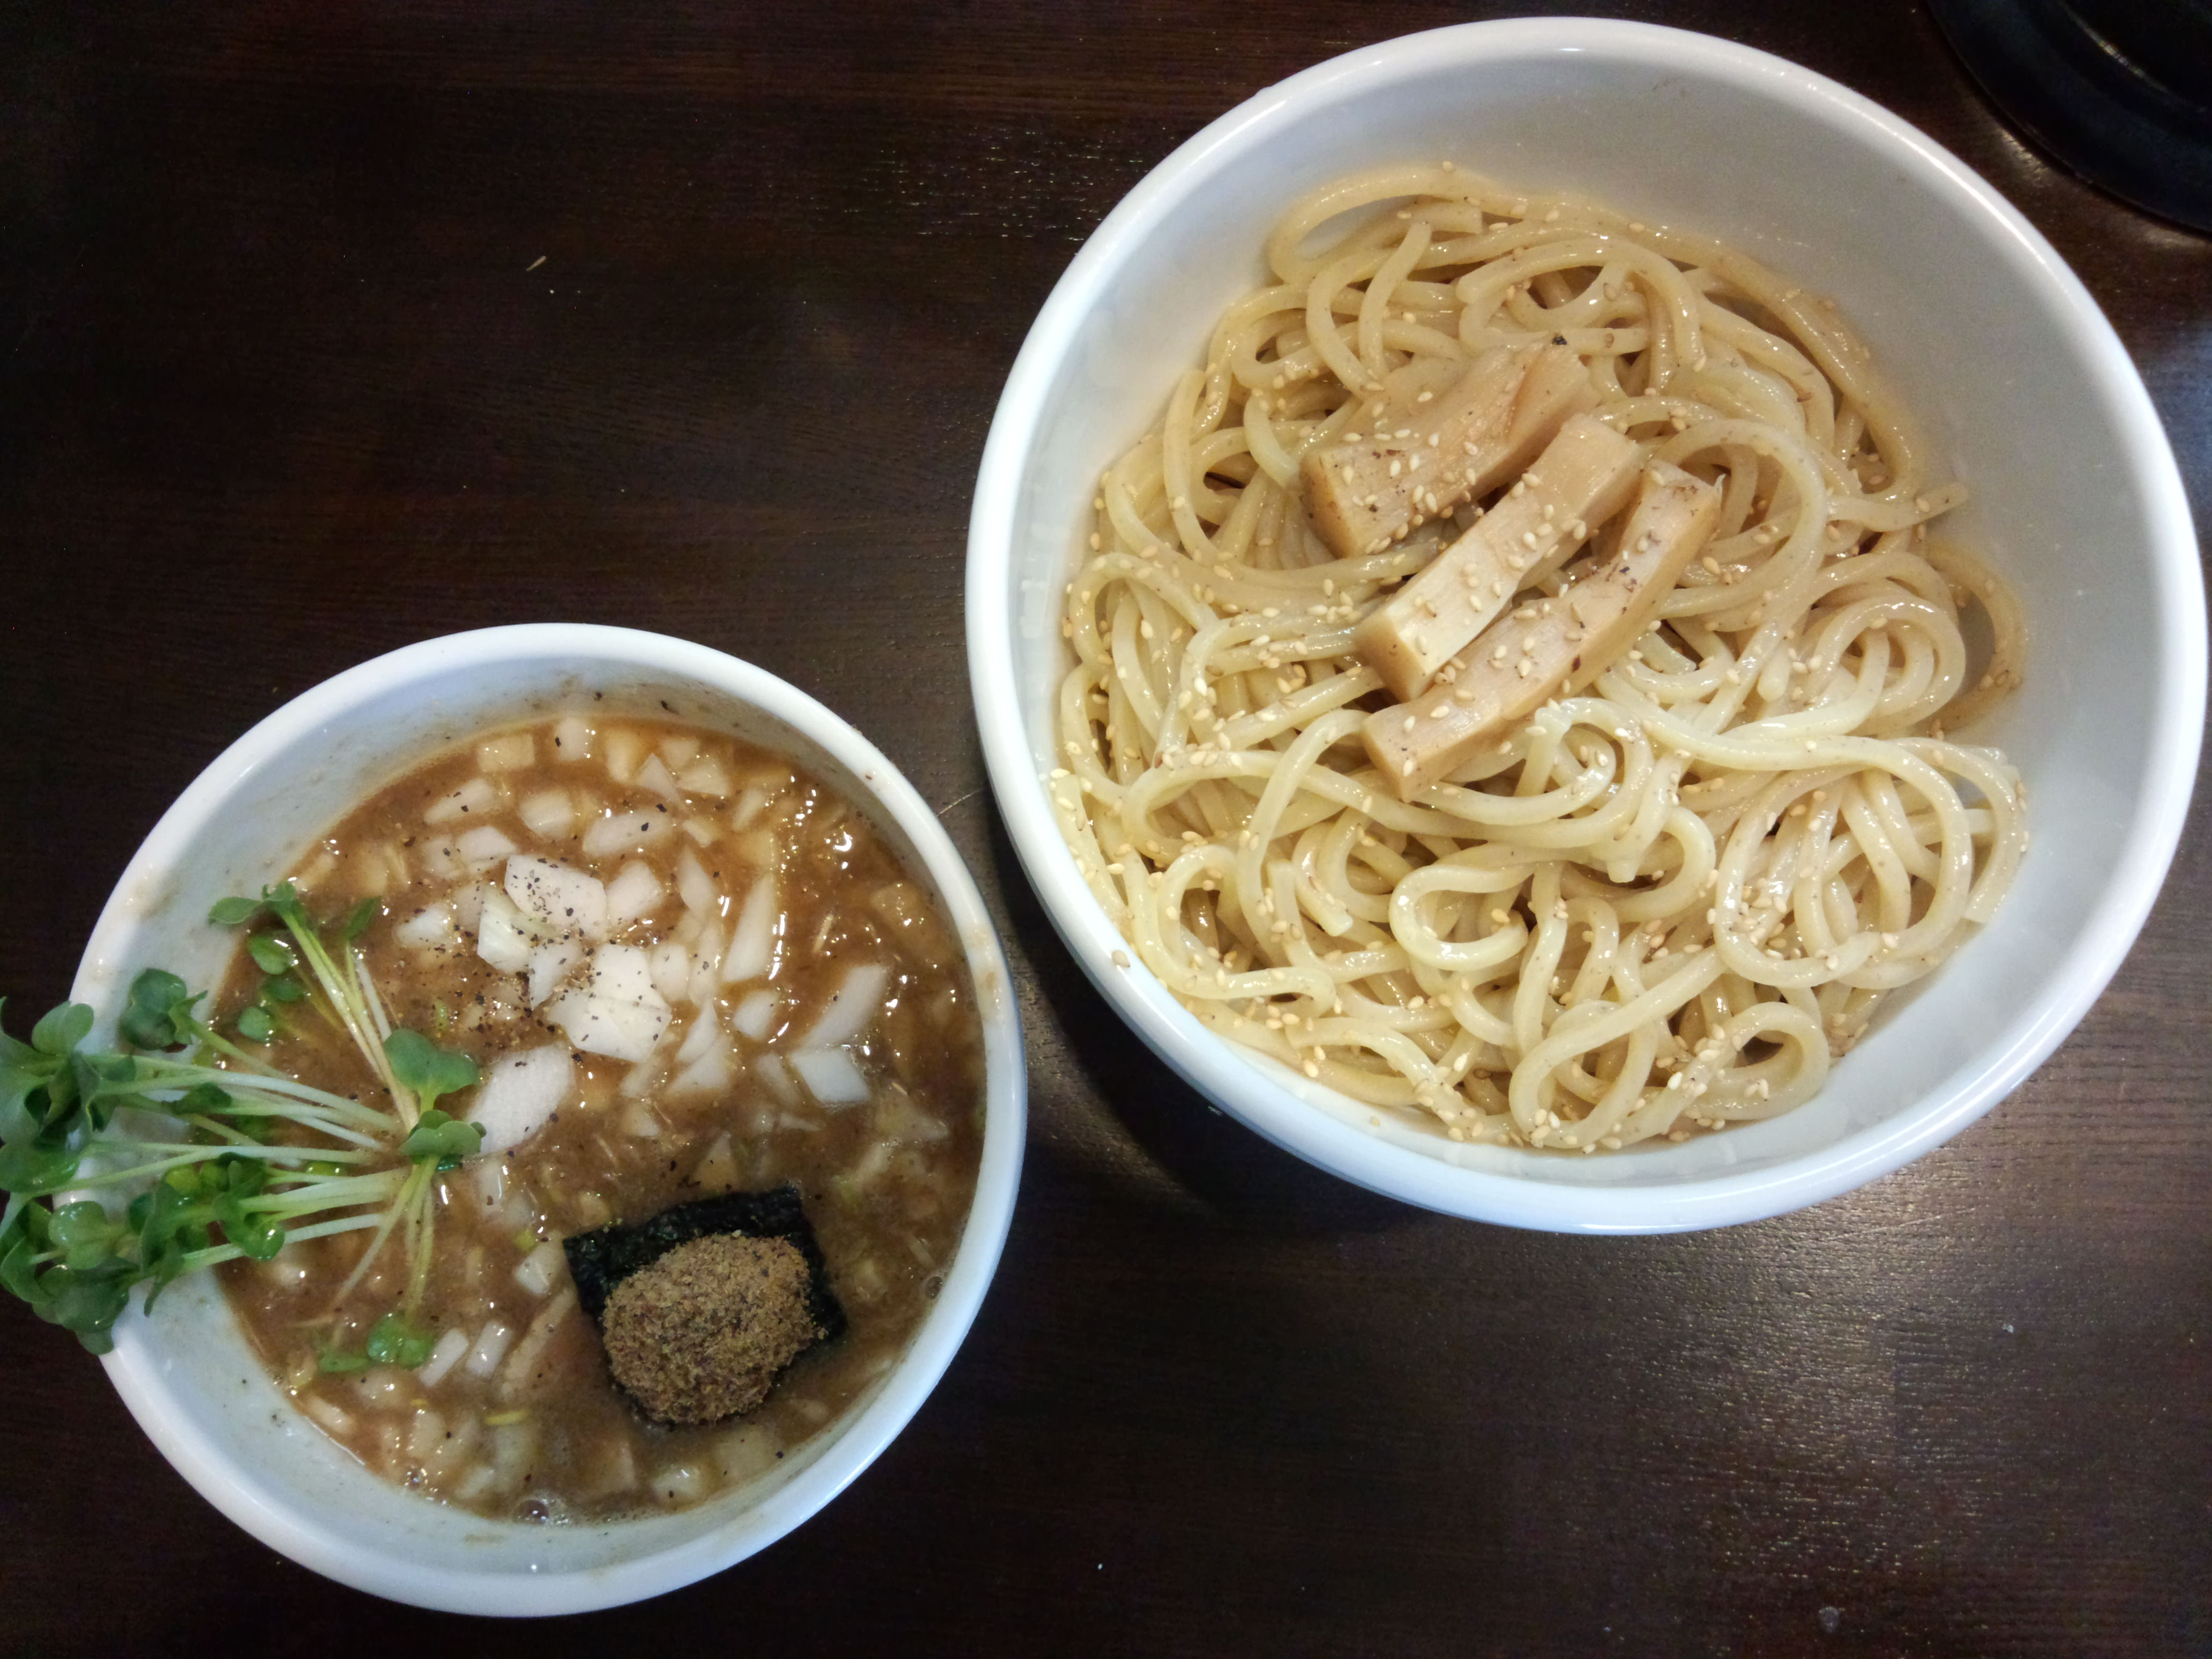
<point x="330" y="328"/>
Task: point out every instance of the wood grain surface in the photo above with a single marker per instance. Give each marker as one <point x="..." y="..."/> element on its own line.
<point x="329" y="327"/>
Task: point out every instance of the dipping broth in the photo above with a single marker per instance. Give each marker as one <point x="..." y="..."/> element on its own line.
<point x="684" y="968"/>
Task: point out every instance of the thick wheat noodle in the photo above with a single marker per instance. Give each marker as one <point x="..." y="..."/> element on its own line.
<point x="1657" y="905"/>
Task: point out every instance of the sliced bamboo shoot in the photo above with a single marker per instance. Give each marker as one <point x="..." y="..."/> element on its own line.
<point x="1585" y="475"/>
<point x="1548" y="645"/>
<point x="1424" y="459"/>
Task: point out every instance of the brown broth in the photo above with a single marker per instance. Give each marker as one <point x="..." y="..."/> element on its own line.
<point x="540" y="1432"/>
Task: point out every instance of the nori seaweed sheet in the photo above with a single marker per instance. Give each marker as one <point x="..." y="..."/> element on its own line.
<point x="599" y="1260"/>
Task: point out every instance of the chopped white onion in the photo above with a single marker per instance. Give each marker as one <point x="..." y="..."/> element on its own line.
<point x="680" y="1483"/>
<point x="775" y="1077"/>
<point x="476" y="796"/>
<point x="717" y="1171"/>
<point x="441" y="861"/>
<point x="569" y="900"/>
<point x="696" y="885"/>
<point x="870" y="1164"/>
<point x="699" y="1038"/>
<point x="852" y="1008"/>
<point x="519" y="1092"/>
<point x="513" y="1454"/>
<point x="490" y="1347"/>
<point x="749" y="806"/>
<point x="335" y="1417"/>
<point x="550" y="813"/>
<point x="745" y="1451"/>
<point x="510" y="752"/>
<point x="752" y="940"/>
<point x="468" y="904"/>
<point x="655" y="775"/>
<point x="755" y="1015"/>
<point x="431" y="926"/>
<point x="528" y="1352"/>
<point x="426" y="1436"/>
<point x="633" y="893"/>
<point x="625" y="831"/>
<point x="372" y="876"/>
<point x="488" y="1177"/>
<point x="505" y="938"/>
<point x="443" y="1357"/>
<point x="897" y="1118"/>
<point x="710" y="1073"/>
<point x="572" y="739"/>
<point x="670" y="966"/>
<point x="705" y="777"/>
<point x="621" y="1016"/>
<point x="706" y="958"/>
<point x="538" y="1272"/>
<point x="616" y="1470"/>
<point x="623" y="749"/>
<point x="831" y="1076"/>
<point x="550" y="963"/>
<point x="483" y="847"/>
<point x="639" y="1121"/>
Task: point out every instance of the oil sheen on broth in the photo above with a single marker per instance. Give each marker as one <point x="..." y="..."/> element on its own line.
<point x="770" y="998"/>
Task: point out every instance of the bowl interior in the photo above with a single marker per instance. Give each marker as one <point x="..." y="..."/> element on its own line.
<point x="2019" y="384"/>
<point x="187" y="1371"/>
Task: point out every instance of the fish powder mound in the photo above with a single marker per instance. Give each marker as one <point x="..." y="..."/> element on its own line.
<point x="702" y="1334"/>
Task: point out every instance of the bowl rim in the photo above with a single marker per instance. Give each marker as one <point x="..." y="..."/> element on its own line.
<point x="135" y="1368"/>
<point x="1226" y="1076"/>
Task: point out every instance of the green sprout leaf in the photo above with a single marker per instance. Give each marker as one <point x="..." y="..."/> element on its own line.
<point x="358" y="919"/>
<point x="38" y="1168"/>
<point x="160" y="1012"/>
<point x="19" y="1271"/>
<point x="444" y="1139"/>
<point x="272" y="954"/>
<point x="234" y="912"/>
<point x="201" y="1099"/>
<point x="85" y="1234"/>
<point x="282" y="988"/>
<point x="254" y="1025"/>
<point x="393" y="1342"/>
<point x="258" y="1237"/>
<point x="88" y="1303"/>
<point x="62" y="1030"/>
<point x="429" y="1071"/>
